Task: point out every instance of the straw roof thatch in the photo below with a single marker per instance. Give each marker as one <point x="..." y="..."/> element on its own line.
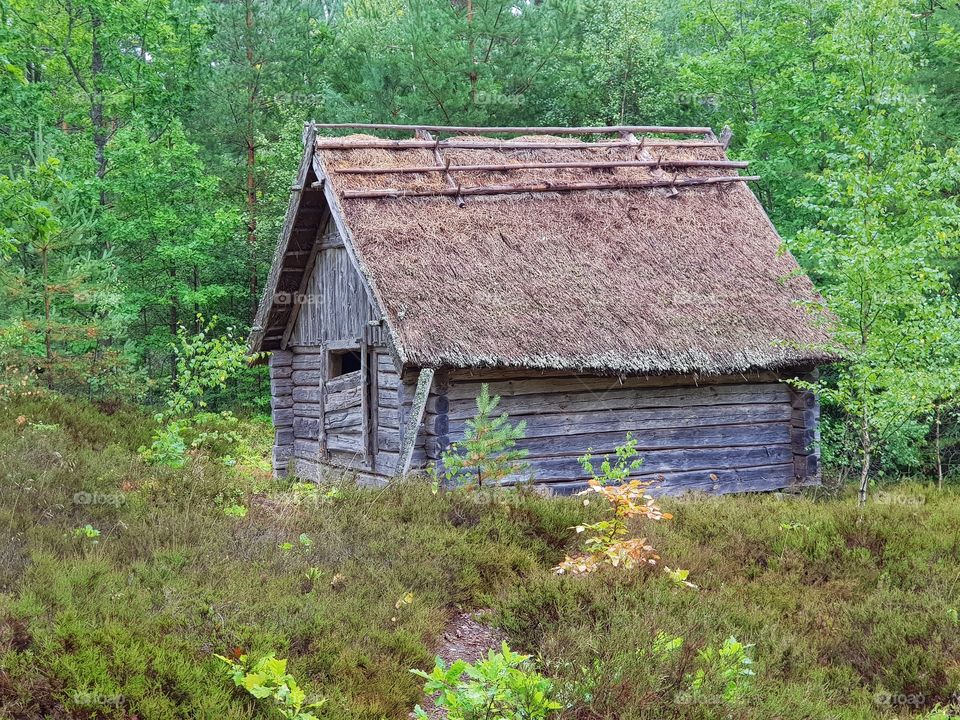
<point x="636" y="280"/>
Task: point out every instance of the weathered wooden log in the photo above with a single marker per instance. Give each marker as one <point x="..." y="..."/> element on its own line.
<point x="388" y="381"/>
<point x="307" y="377"/>
<point x="682" y="440"/>
<point x="284" y="436"/>
<point x="386" y="462"/>
<point x="306" y="469"/>
<point x="281" y="387"/>
<point x="307" y="362"/>
<point x="521" y="407"/>
<point x="631" y="420"/>
<point x="468" y="389"/>
<point x="280" y="358"/>
<point x="306" y="394"/>
<point x="515" y="130"/>
<point x="343" y="382"/>
<point x="306" y="428"/>
<point x="385" y="363"/>
<point x="281" y="372"/>
<point x="506" y="145"/>
<point x="674" y="461"/>
<point x="436" y="424"/>
<point x="804" y="440"/>
<point x="387" y="398"/>
<point x="345" y="442"/>
<point x="283" y="417"/>
<point x="306" y="409"/>
<point x="388" y="440"/>
<point x="306" y="449"/>
<point x="342" y="399"/>
<point x="724" y="480"/>
<point x="605" y="165"/>
<point x="278" y="402"/>
<point x="347" y="418"/>
<point x="389" y="418"/>
<point x="544" y="186"/>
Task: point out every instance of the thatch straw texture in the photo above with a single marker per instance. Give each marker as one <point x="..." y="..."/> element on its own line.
<point x="660" y="280"/>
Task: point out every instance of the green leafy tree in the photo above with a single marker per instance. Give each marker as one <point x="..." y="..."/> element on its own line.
<point x="488" y="451"/>
<point x="888" y="225"/>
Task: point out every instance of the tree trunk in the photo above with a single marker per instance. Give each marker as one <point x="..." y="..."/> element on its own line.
<point x="174" y="320"/>
<point x="46" y="306"/>
<point x="936" y="437"/>
<point x="252" y="92"/>
<point x="97" y="121"/>
<point x="867" y="457"/>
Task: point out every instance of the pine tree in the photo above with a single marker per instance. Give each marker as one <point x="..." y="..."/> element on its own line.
<point x="488" y="451"/>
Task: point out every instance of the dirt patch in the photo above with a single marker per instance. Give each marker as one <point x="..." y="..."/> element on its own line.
<point x="468" y="638"/>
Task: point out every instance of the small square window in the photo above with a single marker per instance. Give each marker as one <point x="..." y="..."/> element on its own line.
<point x="341" y="362"/>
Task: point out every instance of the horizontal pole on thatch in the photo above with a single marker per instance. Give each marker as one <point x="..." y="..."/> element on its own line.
<point x="589" y="130"/>
<point x="738" y="164"/>
<point x="542" y="187"/>
<point x="378" y="144"/>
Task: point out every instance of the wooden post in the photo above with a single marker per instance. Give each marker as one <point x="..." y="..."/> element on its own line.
<point x="375" y="407"/>
<point x="322" y="435"/>
<point x="443" y="166"/>
<point x="805" y="433"/>
<point x="412" y="427"/>
<point x="365" y="395"/>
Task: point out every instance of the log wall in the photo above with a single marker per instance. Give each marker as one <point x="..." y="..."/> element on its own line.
<point x="727" y="434"/>
<point x="281" y="406"/>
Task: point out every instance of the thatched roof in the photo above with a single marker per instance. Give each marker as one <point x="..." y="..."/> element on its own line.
<point x="689" y="278"/>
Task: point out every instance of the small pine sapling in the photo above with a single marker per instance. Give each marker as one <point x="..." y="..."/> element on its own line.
<point x="488" y="452"/>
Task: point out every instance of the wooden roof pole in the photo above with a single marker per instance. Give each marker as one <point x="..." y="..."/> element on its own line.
<point x="512" y="130"/>
<point x="381" y="144"/>
<point x="448" y="168"/>
<point x="543" y="187"/>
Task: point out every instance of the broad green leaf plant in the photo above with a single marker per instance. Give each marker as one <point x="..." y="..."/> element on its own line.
<point x="502" y="686"/>
<point x="267" y="679"/>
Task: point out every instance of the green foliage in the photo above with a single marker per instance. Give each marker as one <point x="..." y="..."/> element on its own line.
<point x="502" y="685"/>
<point x="888" y="227"/>
<point x="87" y="532"/>
<point x="488" y="451"/>
<point x="726" y="671"/>
<point x="627" y="459"/>
<point x="267" y="679"/>
<point x="205" y="363"/>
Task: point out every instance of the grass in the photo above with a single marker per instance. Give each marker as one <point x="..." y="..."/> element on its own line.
<point x="848" y="617"/>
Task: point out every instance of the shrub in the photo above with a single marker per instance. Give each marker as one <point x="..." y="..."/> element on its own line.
<point x="504" y="685"/>
<point x="606" y="542"/>
<point x="268" y="679"/>
<point x="205" y="362"/>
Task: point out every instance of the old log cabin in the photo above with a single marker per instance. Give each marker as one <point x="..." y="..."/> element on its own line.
<point x="631" y="283"/>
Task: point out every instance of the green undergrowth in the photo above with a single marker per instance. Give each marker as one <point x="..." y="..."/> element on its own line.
<point x="847" y="617"/>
